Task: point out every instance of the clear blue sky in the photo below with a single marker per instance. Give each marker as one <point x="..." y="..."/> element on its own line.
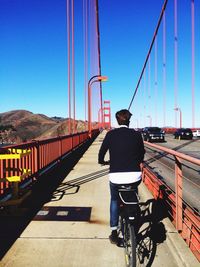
<point x="33" y="57"/>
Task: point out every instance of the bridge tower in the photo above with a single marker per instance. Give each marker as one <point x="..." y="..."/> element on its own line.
<point x="106" y="115"/>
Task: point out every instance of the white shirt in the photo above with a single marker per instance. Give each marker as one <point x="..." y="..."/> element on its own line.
<point x="125" y="177"/>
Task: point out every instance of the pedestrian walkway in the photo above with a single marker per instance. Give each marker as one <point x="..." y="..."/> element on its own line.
<point x="72" y="229"/>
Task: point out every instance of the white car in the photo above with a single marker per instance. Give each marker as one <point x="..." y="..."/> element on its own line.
<point x="196" y="133"/>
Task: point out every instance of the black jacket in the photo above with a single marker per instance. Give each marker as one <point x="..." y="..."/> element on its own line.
<point x="126" y="149"/>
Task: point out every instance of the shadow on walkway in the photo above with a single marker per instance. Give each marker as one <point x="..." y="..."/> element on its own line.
<point x="152" y="231"/>
<point x="13" y="221"/>
<point x="73" y="186"/>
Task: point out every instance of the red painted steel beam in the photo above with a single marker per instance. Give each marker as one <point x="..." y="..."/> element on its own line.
<point x="179" y="194"/>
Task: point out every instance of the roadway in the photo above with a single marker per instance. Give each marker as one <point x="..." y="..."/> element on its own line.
<point x="163" y="165"/>
<point x="71" y="229"/>
<point x="189" y="147"/>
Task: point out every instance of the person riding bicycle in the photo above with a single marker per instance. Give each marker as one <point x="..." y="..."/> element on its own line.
<point x="126" y="151"/>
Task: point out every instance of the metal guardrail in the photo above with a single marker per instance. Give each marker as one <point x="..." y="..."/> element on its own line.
<point x="16" y="161"/>
<point x="185" y="219"/>
<point x="16" y="173"/>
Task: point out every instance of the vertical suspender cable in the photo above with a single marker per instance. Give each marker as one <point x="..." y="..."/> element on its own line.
<point x="193" y="64"/>
<point x="93" y="46"/>
<point x="89" y="39"/>
<point x="99" y="55"/>
<point x="90" y="54"/>
<point x="85" y="29"/>
<point x="73" y="68"/>
<point x="69" y="66"/>
<point x="144" y="88"/>
<point x="149" y="83"/>
<point x="156" y="79"/>
<point x="149" y="52"/>
<point x="175" y="59"/>
<point x="164" y="70"/>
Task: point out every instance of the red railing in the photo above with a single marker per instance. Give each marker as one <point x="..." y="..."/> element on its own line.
<point x="44" y="154"/>
<point x="185" y="219"/>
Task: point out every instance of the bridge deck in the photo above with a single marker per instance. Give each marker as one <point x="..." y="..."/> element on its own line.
<point x="72" y="228"/>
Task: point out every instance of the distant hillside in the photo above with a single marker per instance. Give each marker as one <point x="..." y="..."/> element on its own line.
<point x="21" y="125"/>
<point x="61" y="128"/>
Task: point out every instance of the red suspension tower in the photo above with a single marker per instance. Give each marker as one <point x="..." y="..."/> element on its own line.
<point x="106" y="115"/>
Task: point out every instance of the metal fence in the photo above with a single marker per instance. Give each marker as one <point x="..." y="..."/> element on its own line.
<point x="184" y="217"/>
<point x="23" y="164"/>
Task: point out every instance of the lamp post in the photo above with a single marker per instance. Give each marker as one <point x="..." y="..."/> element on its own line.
<point x="93" y="79"/>
<point x="180" y="113"/>
<point x="100" y="119"/>
<point x="150" y="120"/>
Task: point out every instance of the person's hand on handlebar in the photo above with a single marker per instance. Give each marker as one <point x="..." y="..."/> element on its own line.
<point x="105" y="162"/>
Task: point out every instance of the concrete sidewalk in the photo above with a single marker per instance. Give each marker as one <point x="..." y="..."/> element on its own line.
<point x="72" y="229"/>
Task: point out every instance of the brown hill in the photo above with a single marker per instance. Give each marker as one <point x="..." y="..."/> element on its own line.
<point x="61" y="128"/>
<point x="12" y="117"/>
<point x="20" y="126"/>
<point x="24" y="125"/>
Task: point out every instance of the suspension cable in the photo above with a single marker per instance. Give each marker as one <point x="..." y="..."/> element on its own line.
<point x="98" y="48"/>
<point x="193" y="62"/>
<point x="149" y="52"/>
<point x="164" y="69"/>
<point x="69" y="65"/>
<point x="73" y="67"/>
<point x="85" y="40"/>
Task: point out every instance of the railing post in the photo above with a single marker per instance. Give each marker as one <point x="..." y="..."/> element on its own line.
<point x="36" y="158"/>
<point x="60" y="147"/>
<point x="179" y="194"/>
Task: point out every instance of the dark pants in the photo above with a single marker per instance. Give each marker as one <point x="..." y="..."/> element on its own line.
<point x="114" y="209"/>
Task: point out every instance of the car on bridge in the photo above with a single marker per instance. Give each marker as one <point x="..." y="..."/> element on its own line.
<point x="196" y="133"/>
<point x="153" y="134"/>
<point x="183" y="133"/>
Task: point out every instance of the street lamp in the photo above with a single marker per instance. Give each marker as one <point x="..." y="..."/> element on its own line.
<point x="178" y="109"/>
<point x="150" y="120"/>
<point x="93" y="79"/>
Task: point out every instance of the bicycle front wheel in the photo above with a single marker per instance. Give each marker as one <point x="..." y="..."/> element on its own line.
<point x="130" y="245"/>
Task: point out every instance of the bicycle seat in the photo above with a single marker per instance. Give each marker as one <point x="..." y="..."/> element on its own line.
<point x="127" y="187"/>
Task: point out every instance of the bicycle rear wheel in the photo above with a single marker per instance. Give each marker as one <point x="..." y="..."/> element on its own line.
<point x="130" y="245"/>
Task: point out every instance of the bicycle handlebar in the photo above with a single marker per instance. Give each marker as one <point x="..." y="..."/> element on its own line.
<point x="106" y="163"/>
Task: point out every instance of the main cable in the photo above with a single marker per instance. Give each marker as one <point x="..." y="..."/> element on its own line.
<point x="149" y="52"/>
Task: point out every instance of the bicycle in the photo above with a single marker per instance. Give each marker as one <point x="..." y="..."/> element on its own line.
<point x="129" y="214"/>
